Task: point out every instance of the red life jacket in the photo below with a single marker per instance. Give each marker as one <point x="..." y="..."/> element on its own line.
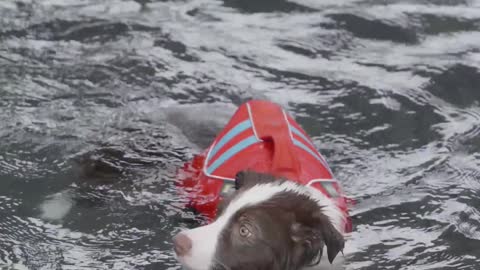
<point x="261" y="137"/>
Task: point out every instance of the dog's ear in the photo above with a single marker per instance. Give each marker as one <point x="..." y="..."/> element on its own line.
<point x="308" y="244"/>
<point x="334" y="242"/>
<point x="332" y="237"/>
<point x="251" y="178"/>
<point x="311" y="239"/>
<point x="239" y="180"/>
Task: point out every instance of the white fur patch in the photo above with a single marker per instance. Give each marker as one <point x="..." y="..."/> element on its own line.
<point x="205" y="238"/>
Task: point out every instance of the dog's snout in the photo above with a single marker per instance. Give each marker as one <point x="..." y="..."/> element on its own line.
<point x="182" y="244"/>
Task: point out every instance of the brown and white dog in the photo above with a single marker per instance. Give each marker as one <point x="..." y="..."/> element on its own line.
<point x="266" y="224"/>
<point x="285" y="207"/>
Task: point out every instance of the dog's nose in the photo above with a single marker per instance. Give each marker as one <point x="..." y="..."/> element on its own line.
<point x="182" y="244"/>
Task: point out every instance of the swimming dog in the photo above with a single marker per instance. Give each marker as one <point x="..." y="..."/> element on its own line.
<point x="271" y="197"/>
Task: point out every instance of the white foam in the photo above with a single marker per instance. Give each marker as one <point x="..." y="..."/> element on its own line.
<point x="394" y="11"/>
<point x="56" y="206"/>
<point x="324" y="3"/>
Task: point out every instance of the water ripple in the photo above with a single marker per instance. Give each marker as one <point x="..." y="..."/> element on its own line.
<point x="101" y="102"/>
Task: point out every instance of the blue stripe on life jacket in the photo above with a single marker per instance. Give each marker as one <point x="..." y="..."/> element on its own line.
<point x="231" y="152"/>
<point x="304" y="147"/>
<point x="330" y="189"/>
<point x="296" y="131"/>
<point x="239" y="128"/>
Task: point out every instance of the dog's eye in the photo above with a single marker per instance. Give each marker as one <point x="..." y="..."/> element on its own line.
<point x="244" y="231"/>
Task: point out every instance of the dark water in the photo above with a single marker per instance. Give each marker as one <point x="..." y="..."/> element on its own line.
<point x="100" y="102"/>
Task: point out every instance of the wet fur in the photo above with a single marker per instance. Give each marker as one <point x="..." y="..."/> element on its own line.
<point x="295" y="231"/>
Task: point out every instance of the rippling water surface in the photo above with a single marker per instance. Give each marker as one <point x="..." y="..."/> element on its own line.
<point x="100" y="102"/>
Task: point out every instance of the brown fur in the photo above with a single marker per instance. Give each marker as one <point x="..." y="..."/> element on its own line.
<point x="289" y="231"/>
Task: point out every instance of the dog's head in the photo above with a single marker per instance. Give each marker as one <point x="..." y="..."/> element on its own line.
<point x="266" y="224"/>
